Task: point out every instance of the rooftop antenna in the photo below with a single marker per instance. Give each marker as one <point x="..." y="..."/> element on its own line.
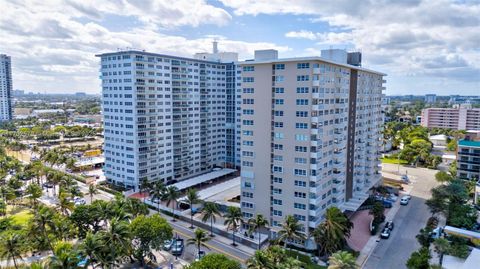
<point x="215" y="46"/>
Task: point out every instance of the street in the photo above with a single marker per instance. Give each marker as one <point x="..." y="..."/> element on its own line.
<point x="395" y="251"/>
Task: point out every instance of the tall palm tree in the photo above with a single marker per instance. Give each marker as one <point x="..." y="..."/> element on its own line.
<point x="210" y="212"/>
<point x="34" y="191"/>
<point x="233" y="220"/>
<point x="135" y="207"/>
<point x="261" y="260"/>
<point x="117" y="238"/>
<point x="256" y="224"/>
<point x="342" y="260"/>
<point x="12" y="245"/>
<point x="90" y="246"/>
<point x="330" y="234"/>
<point x="171" y="196"/>
<point x="44" y="221"/>
<point x="291" y="230"/>
<point x="192" y="198"/>
<point x="158" y="193"/>
<point x="92" y="190"/>
<point x="199" y="239"/>
<point x="145" y="186"/>
<point x="64" y="257"/>
<point x="65" y="205"/>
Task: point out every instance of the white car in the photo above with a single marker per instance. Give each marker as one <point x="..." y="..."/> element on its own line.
<point x="404" y="200"/>
<point x="407" y="197"/>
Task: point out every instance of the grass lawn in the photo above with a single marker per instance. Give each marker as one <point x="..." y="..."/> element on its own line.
<point x="305" y="259"/>
<point x="393" y="161"/>
<point x="20" y="215"/>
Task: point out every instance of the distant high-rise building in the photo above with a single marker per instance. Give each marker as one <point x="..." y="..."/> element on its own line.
<point x="430" y="98"/>
<point x="5" y="88"/>
<point x="463" y="117"/>
<point x="80" y="94"/>
<point x="167" y="118"/>
<point x="310" y="134"/>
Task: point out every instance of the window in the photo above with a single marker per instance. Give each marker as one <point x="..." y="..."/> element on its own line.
<point x="247" y="133"/>
<point x="277" y="202"/>
<point x="278" y="113"/>
<point x="301" y="125"/>
<point x="279" y="136"/>
<point x="300" y="194"/>
<point x="278" y="124"/>
<point x="247" y="164"/>
<point x="277" y="169"/>
<point x="278" y="146"/>
<point x="248" y="90"/>
<point x="300" y="149"/>
<point x="303" y="65"/>
<point x="302" y="90"/>
<point x="277" y="191"/>
<point x="247" y="122"/>
<point x="300" y="172"/>
<point x="279" y="90"/>
<point x="277" y="179"/>
<point x="248" y="101"/>
<point x="279" y="78"/>
<point x="247" y="194"/>
<point x="279" y="66"/>
<point x="300" y="183"/>
<point x="247" y="143"/>
<point x="247" y="153"/>
<point x="302" y="78"/>
<point x="247" y="205"/>
<point x="301" y="114"/>
<point x="278" y="158"/>
<point x="279" y="101"/>
<point x="301" y="160"/>
<point x="248" y="79"/>
<point x="248" y="68"/>
<point x="277" y="213"/>
<point x="302" y="102"/>
<point x="248" y="112"/>
<point x="299" y="217"/>
<point x="299" y="206"/>
<point x="300" y="137"/>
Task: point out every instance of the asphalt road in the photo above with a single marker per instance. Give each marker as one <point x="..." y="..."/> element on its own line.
<point x="395" y="251"/>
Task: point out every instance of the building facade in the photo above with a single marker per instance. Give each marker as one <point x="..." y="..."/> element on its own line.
<point x="165" y="117"/>
<point x="461" y="118"/>
<point x="430" y="98"/>
<point x="468" y="156"/>
<point x="311" y="137"/>
<point x="5" y="88"/>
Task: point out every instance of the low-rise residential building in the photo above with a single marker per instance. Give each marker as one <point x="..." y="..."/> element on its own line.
<point x="460" y="118"/>
<point x="468" y="156"/>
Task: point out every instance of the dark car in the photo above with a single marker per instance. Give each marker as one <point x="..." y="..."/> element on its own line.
<point x="389" y="225"/>
<point x="47" y="185"/>
<point x="177" y="248"/>
<point x="385" y="233"/>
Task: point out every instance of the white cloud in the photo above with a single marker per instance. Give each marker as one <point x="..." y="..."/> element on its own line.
<point x="437" y="38"/>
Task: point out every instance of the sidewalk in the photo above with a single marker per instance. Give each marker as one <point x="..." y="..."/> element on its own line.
<point x="372" y="242"/>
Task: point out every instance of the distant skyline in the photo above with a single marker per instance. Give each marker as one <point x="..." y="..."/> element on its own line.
<point x="423" y="46"/>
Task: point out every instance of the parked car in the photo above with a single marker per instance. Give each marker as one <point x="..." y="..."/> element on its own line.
<point x="407" y="197"/>
<point x="47" y="185"/>
<point x="389" y="225"/>
<point x="404" y="200"/>
<point x="387" y="204"/>
<point x="385" y="233"/>
<point x="177" y="248"/>
<point x="79" y="201"/>
<point x="167" y="244"/>
<point x="436" y="233"/>
<point x="199" y="255"/>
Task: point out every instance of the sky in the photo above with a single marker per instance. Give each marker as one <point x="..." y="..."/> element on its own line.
<point x="425" y="46"/>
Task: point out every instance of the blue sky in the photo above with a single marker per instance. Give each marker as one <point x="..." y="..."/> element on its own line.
<point x="423" y="46"/>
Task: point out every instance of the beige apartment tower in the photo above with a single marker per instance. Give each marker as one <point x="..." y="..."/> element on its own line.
<point x="310" y="136"/>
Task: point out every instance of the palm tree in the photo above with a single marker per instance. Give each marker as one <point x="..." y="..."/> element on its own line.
<point x="171" y="196"/>
<point x="291" y="230"/>
<point x="233" y="220"/>
<point x="441" y="247"/>
<point x="90" y="246"/>
<point x="34" y="191"/>
<point x="256" y="224"/>
<point x="92" y="190"/>
<point x="192" y="198"/>
<point x="145" y="186"/>
<point x="117" y="238"/>
<point x="342" y="260"/>
<point x="261" y="260"/>
<point x="330" y="234"/>
<point x="200" y="238"/>
<point x="158" y="193"/>
<point x="12" y="246"/>
<point x="64" y="257"/>
<point x="44" y="220"/>
<point x="210" y="212"/>
<point x="65" y="205"/>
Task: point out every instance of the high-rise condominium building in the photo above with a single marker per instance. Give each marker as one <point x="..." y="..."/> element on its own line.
<point x="468" y="156"/>
<point x="464" y="117"/>
<point x="5" y="88"/>
<point x="166" y="118"/>
<point x="311" y="136"/>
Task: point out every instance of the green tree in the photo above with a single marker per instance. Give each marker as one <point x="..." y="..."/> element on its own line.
<point x="145" y="187"/>
<point x="92" y="190"/>
<point x="330" y="234"/>
<point x="419" y="259"/>
<point x="65" y="256"/>
<point x="210" y="212"/>
<point x="214" y="260"/>
<point x="12" y="246"/>
<point x="199" y="239"/>
<point x="274" y="257"/>
<point x="157" y="193"/>
<point x="452" y="145"/>
<point x="260" y="260"/>
<point x="149" y="233"/>
<point x="90" y="247"/>
<point x="342" y="260"/>
<point x="171" y="196"/>
<point x="290" y="231"/>
<point x="233" y="220"/>
<point x="34" y="191"/>
<point x="117" y="238"/>
<point x="256" y="224"/>
<point x="378" y="213"/>
<point x="44" y="221"/>
<point x="192" y="198"/>
<point x="442" y="177"/>
<point x="442" y="246"/>
<point x="65" y="204"/>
